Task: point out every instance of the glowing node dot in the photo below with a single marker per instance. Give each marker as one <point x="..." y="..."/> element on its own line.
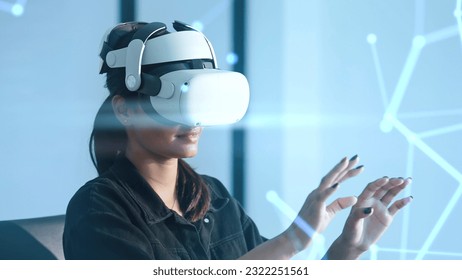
<point x="419" y="41"/>
<point x="198" y="25"/>
<point x="372" y="38"/>
<point x="374" y="248"/>
<point x="17" y="10"/>
<point x="271" y="196"/>
<point x="386" y="126"/>
<point x="387" y="123"/>
<point x="232" y="58"/>
<point x="458" y="13"/>
<point x="411" y="138"/>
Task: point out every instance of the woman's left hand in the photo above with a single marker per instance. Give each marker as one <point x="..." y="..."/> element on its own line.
<point x="369" y="217"/>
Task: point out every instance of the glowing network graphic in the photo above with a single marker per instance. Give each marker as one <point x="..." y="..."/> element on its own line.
<point x="16" y="9"/>
<point x="415" y="140"/>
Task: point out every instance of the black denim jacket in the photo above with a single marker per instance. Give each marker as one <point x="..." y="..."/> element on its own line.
<point x="119" y="216"/>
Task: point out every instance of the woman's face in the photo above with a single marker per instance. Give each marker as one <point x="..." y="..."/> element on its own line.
<point x="161" y="141"/>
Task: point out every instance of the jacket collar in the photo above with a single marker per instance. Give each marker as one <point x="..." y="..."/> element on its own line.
<point x="154" y="209"/>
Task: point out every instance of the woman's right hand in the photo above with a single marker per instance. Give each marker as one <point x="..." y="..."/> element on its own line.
<point x="313" y="218"/>
<point x="315" y="215"/>
<point x="370" y="217"/>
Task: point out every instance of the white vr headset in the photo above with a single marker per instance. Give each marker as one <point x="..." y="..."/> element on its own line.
<point x="198" y="95"/>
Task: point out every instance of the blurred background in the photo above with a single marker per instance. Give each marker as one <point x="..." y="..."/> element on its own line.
<point x="328" y="79"/>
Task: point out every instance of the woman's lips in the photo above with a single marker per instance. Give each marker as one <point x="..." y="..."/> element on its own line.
<point x="192" y="134"/>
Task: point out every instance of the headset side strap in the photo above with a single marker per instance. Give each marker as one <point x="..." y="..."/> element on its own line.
<point x="135" y="52"/>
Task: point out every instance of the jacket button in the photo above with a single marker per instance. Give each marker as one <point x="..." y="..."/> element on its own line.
<point x="206" y="220"/>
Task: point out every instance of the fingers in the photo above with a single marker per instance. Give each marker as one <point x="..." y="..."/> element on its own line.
<point x="385" y="190"/>
<point x="372" y="188"/>
<point x="338" y="174"/>
<point x="341" y="203"/>
<point x="323" y="194"/>
<point x="328" y="180"/>
<point x="349" y="170"/>
<point x="342" y="171"/>
<point x="397" y="188"/>
<point x="399" y="204"/>
<point x="351" y="173"/>
<point x="388" y="185"/>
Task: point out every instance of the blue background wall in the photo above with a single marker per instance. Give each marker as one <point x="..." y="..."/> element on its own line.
<point x="328" y="79"/>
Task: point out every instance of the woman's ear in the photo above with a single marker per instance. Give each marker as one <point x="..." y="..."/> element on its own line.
<point x="121" y="110"/>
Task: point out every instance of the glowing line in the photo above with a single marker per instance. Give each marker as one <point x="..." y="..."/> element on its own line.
<point x="374" y="252"/>
<point x="215" y="12"/>
<point x="430" y="114"/>
<point x="458" y="15"/>
<point x="442" y="34"/>
<point x="287" y="120"/>
<point x="274" y="198"/>
<point x="407" y="210"/>
<point x="317" y="239"/>
<point x="418" y="44"/>
<point x="426" y="149"/>
<point x="302" y="120"/>
<point x="441" y="221"/>
<point x="409" y="251"/>
<point x="319" y="248"/>
<point x="390" y="120"/>
<point x="378" y="69"/>
<point x="440" y="131"/>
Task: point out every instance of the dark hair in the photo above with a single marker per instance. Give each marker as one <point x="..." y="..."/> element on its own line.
<point x="109" y="139"/>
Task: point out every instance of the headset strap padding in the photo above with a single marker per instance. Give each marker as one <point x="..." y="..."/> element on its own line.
<point x="104" y="51"/>
<point x="153" y="28"/>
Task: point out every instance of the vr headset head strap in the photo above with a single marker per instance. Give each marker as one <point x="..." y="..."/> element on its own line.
<point x="134" y="57"/>
<point x="181" y="26"/>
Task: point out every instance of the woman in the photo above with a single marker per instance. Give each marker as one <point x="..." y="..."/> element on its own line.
<point x="148" y="203"/>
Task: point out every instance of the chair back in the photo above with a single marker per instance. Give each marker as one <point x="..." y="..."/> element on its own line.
<point x="32" y="239"/>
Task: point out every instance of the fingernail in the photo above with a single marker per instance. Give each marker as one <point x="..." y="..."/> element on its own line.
<point x="367" y="210"/>
<point x="359" y="167"/>
<point x="334" y="185"/>
<point x="408" y="200"/>
<point x="354" y="157"/>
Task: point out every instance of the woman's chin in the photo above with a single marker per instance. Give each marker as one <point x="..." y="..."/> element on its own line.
<point x="188" y="152"/>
